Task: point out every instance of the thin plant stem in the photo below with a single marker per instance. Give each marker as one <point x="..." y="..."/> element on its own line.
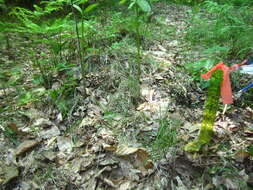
<point x="78" y="41"/>
<point x="60" y="42"/>
<point x="138" y="45"/>
<point x="7" y="42"/>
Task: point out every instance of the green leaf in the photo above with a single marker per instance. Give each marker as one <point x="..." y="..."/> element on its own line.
<point x="132" y="4"/>
<point x="250" y="150"/>
<point x="83" y="1"/>
<point x="122" y="2"/>
<point x="25" y="98"/>
<point x="90" y="7"/>
<point x="78" y="8"/>
<point x="144" y="5"/>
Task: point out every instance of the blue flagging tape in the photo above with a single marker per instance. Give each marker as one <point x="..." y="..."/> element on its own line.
<point x="249" y="62"/>
<point x="247" y="87"/>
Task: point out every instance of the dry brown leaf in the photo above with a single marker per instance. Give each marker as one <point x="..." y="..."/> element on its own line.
<point x="125" y="186"/>
<point x="148" y="106"/>
<point x="124" y="150"/>
<point x="7" y="173"/>
<point x="248" y="132"/>
<point x="108" y="147"/>
<point x="241" y="155"/>
<point x="49" y="133"/>
<point x="13" y="127"/>
<point x="137" y="156"/>
<point x="26" y="146"/>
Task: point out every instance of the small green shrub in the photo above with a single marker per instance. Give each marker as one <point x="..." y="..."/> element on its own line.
<point x="140" y="9"/>
<point x="195" y="69"/>
<point x="62" y="97"/>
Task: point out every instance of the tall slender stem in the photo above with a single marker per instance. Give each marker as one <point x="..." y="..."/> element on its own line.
<point x="7" y="42"/>
<point x="78" y="41"/>
<point x="60" y="42"/>
<point x="138" y="44"/>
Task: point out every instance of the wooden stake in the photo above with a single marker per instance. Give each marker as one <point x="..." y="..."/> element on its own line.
<point x="225" y="109"/>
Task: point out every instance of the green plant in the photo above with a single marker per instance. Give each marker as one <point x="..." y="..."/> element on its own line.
<point x="236" y="2"/>
<point x="196" y="68"/>
<point x="25" y="98"/>
<point x="10" y="134"/>
<point x="62" y="97"/>
<point x="140" y="8"/>
<point x="46" y="32"/>
<point x="6" y="28"/>
<point x="229" y="30"/>
<point x="44" y="65"/>
<point x="166" y="136"/>
<point x="79" y="6"/>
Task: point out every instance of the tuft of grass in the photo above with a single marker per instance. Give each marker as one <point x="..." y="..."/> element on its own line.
<point x="224" y="33"/>
<point x="166" y="137"/>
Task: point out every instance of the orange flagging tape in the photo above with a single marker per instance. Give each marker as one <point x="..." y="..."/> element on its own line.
<point x="226" y="91"/>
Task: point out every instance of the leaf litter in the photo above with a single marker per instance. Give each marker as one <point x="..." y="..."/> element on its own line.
<point x="92" y="156"/>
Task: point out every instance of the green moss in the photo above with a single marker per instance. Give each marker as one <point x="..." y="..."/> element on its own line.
<point x="210" y="110"/>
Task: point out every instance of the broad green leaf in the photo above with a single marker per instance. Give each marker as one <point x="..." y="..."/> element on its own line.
<point x="90" y="7"/>
<point x="83" y="1"/>
<point x="132" y="4"/>
<point x="122" y="2"/>
<point x="78" y="8"/>
<point x="144" y="5"/>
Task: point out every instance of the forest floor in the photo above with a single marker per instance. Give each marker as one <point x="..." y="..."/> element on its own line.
<point x="107" y="143"/>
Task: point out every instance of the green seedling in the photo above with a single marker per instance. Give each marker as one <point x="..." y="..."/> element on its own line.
<point x="79" y="6"/>
<point x="11" y="135"/>
<point x="166" y="136"/>
<point x="141" y="8"/>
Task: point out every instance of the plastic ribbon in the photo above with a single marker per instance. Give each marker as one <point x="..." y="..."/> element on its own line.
<point x="226" y="91"/>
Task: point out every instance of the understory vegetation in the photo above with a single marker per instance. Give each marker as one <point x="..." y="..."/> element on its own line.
<point x="107" y="94"/>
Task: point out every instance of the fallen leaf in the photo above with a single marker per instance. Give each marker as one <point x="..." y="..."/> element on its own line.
<point x="107" y="162"/>
<point x="43" y="123"/>
<point x="50" y="155"/>
<point x="87" y="121"/>
<point x="49" y="133"/>
<point x="108" y="147"/>
<point x="137" y="156"/>
<point x="230" y="184"/>
<point x="26" y="146"/>
<point x="248" y="132"/>
<point x="59" y="118"/>
<point x="34" y="114"/>
<point x="7" y="173"/>
<point x="124" y="150"/>
<point x="126" y="185"/>
<point x="241" y="155"/>
<point x="64" y="144"/>
<point x="108" y="182"/>
<point x="13" y="127"/>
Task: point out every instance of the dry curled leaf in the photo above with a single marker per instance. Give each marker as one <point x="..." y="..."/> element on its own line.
<point x="26" y="146"/>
